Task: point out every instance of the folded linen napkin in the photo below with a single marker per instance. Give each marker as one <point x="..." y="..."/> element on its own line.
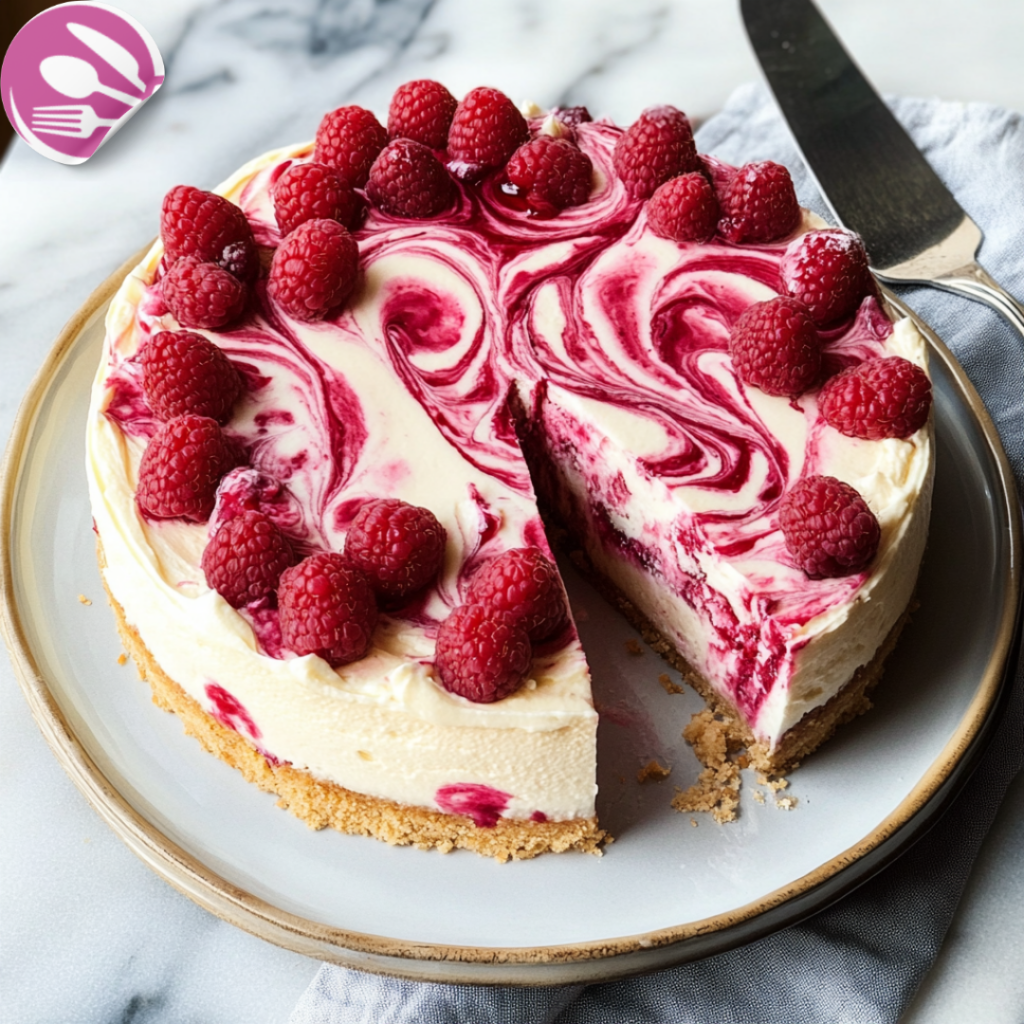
<point x="863" y="958"/>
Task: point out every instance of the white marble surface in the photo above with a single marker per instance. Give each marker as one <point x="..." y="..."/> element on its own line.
<point x="88" y="933"/>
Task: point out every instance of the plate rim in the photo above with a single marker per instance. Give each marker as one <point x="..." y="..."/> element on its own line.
<point x="543" y="965"/>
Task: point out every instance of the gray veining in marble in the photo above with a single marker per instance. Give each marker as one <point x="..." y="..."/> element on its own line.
<point x="89" y="935"/>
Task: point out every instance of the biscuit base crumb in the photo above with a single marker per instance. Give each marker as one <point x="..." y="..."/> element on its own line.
<point x="668" y="686"/>
<point x="653" y="772"/>
<point x="717" y="788"/>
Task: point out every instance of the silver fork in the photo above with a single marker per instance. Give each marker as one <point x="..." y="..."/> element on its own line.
<point x="76" y="121"/>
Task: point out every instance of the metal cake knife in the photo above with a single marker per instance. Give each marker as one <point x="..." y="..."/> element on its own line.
<point x="873" y="177"/>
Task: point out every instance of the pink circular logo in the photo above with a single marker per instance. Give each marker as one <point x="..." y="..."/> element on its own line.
<point x="74" y="75"/>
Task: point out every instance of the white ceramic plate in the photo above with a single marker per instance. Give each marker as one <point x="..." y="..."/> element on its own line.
<point x="665" y="891"/>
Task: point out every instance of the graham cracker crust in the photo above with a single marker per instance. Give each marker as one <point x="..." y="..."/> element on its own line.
<point x="321" y="803"/>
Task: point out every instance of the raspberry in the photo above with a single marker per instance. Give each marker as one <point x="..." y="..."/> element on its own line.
<point x="202" y="294"/>
<point x="184" y="372"/>
<point x="327" y="607"/>
<point x="181" y="467"/>
<point x="241" y="260"/>
<point x="422" y="111"/>
<point x="551" y="173"/>
<point x="314" y="269"/>
<point x="759" y="204"/>
<point x="407" y="180"/>
<point x="209" y="227"/>
<point x="572" y="117"/>
<point x="482" y="653"/>
<point x="775" y="347"/>
<point x="684" y="209"/>
<point x="486" y="130"/>
<point x="349" y="140"/>
<point x="524" y="583"/>
<point x="657" y="146"/>
<point x="399" y="547"/>
<point x="828" y="272"/>
<point x="884" y="397"/>
<point x="828" y="527"/>
<point x="245" y="558"/>
<point x="314" y="192"/>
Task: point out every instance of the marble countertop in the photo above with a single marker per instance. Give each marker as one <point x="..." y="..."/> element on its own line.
<point x="89" y="934"/>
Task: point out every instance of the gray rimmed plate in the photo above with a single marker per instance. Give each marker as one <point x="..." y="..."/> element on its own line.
<point x="670" y="889"/>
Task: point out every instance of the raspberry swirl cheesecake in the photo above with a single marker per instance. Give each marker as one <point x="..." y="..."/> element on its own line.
<point x="344" y="397"/>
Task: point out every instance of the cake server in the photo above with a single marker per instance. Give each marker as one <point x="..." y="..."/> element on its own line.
<point x="870" y="173"/>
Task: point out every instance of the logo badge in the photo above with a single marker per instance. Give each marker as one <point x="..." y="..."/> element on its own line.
<point x="74" y="75"/>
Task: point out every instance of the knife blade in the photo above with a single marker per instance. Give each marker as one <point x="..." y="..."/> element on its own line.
<point x="872" y="176"/>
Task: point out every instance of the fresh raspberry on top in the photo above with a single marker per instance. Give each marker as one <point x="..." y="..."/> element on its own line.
<point x="775" y="347"/>
<point x="828" y="527"/>
<point x="209" y="227"/>
<point x="314" y="269"/>
<point x="551" y="173"/>
<point x="202" y="294"/>
<point x="684" y="209"/>
<point x="407" y="180"/>
<point x="181" y="467"/>
<point x="422" y="111"/>
<point x="327" y="607"/>
<point x="486" y="130"/>
<point x="759" y="204"/>
<point x="482" y="653"/>
<point x="657" y="146"/>
<point x="244" y="559"/>
<point x="828" y="272"/>
<point x="185" y="372"/>
<point x="349" y="140"/>
<point x="314" y="192"/>
<point x="524" y="583"/>
<point x="884" y="397"/>
<point x="400" y="547"/>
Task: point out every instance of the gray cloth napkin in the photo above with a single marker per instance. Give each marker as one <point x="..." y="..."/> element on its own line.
<point x="862" y="959"/>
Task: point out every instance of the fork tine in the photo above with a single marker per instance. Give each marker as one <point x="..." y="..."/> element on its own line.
<point x="56" y="131"/>
<point x="57" y="119"/>
<point x="71" y="108"/>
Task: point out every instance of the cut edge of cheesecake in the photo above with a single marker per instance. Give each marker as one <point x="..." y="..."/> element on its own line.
<point x="817" y="726"/>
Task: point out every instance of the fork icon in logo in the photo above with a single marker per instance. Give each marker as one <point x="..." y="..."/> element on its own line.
<point x="86" y="52"/>
<point x="74" y="122"/>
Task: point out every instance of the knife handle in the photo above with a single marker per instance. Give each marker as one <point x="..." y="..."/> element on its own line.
<point x="973" y="282"/>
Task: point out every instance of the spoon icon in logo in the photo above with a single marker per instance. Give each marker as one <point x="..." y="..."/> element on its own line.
<point x="77" y="78"/>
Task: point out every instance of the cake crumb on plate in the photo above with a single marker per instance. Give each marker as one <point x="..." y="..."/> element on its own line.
<point x="653" y="772"/>
<point x="668" y="686"/>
